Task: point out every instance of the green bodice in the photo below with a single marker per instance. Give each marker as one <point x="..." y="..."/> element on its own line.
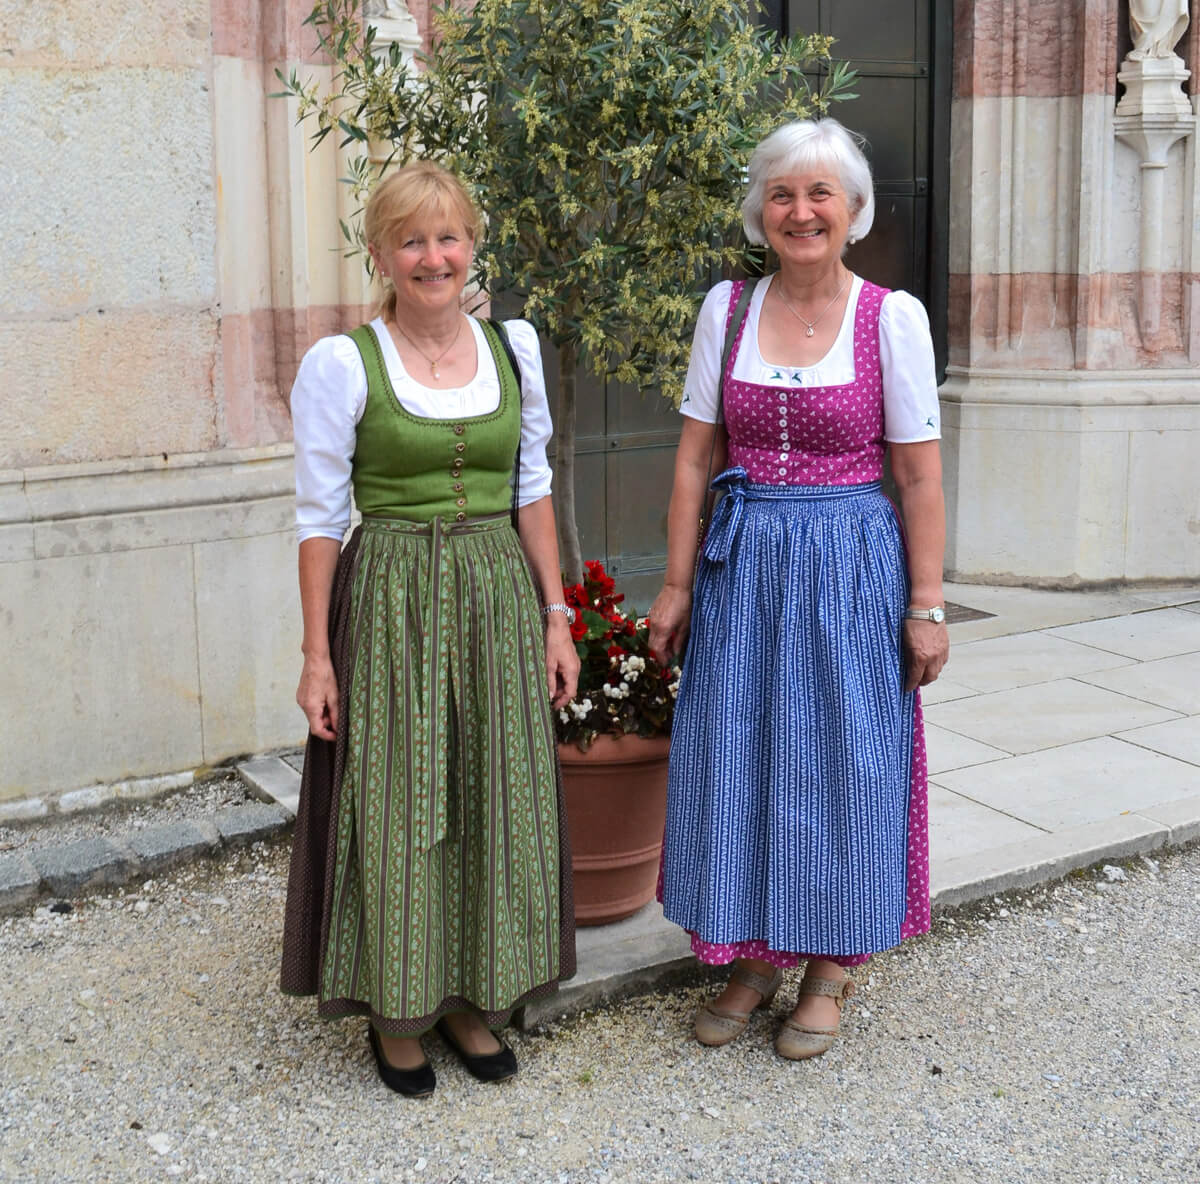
<point x="408" y="466"/>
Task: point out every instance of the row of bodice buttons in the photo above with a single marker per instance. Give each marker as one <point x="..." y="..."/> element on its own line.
<point x="785" y="445"/>
<point x="456" y="466"/>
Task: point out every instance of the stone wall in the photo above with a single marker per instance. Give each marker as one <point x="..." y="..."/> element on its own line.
<point x="170" y="252"/>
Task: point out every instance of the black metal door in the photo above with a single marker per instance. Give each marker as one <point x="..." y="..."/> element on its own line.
<point x="901" y="49"/>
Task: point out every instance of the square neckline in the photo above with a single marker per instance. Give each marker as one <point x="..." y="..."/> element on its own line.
<point x="384" y="344"/>
<point x="849" y="313"/>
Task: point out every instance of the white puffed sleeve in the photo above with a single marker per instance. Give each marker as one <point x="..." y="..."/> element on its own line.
<point x="328" y="398"/>
<point x="535" y="477"/>
<point x="703" y="383"/>
<point x="910" y="402"/>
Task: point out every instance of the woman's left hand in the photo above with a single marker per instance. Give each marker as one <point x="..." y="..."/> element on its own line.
<point x="562" y="662"/>
<point x="926" y="649"/>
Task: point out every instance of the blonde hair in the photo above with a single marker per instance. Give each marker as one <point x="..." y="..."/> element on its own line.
<point x="421" y="187"/>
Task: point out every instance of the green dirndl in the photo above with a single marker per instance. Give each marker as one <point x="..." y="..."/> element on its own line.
<point x="433" y="879"/>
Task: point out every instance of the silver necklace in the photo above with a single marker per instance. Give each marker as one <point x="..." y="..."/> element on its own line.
<point x="810" y="326"/>
<point x="433" y="362"/>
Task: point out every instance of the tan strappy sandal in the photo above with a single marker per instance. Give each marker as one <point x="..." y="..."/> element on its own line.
<point x="798" y="1043"/>
<point x="719" y="1025"/>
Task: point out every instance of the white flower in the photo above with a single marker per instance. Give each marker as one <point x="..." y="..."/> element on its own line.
<point x="631" y="667"/>
<point x="562" y="715"/>
<point x="580" y="710"/>
<point x="624" y="688"/>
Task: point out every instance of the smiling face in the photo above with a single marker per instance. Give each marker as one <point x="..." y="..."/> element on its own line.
<point x="428" y="262"/>
<point x="806" y="217"/>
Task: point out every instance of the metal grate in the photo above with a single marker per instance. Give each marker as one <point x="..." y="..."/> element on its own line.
<point x="956" y="614"/>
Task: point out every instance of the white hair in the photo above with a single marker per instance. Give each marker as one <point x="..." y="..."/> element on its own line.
<point x="805" y="146"/>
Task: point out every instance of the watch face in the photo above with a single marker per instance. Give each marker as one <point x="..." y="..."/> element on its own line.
<point x="937" y="614"/>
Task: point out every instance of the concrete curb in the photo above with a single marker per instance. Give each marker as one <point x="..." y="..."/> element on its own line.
<point x="72" y="869"/>
<point x="272" y="779"/>
<point x="646" y="952"/>
<point x="640" y="954"/>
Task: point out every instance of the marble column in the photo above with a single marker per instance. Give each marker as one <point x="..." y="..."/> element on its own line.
<point x="1072" y="402"/>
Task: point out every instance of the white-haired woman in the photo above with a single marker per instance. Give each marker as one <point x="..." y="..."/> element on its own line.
<point x="796" y="824"/>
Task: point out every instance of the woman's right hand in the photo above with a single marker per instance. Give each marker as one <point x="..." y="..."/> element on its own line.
<point x="670" y="620"/>
<point x="317" y="695"/>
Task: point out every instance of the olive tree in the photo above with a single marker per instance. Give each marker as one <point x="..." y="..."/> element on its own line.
<point x="606" y="142"/>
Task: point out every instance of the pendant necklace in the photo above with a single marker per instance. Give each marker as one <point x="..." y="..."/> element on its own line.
<point x="811" y="325"/>
<point x="433" y="362"/>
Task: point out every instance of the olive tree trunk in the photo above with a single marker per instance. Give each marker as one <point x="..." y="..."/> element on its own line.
<point x="564" y="465"/>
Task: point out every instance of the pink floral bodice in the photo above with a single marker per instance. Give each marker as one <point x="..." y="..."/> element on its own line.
<point x="824" y="435"/>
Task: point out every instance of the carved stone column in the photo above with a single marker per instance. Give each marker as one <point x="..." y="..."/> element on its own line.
<point x="1072" y="400"/>
<point x="1153" y="115"/>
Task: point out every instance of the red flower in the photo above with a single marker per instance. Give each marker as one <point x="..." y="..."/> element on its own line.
<point x="578" y="628"/>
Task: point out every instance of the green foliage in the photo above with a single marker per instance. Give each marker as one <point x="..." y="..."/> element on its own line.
<point x="606" y="141"/>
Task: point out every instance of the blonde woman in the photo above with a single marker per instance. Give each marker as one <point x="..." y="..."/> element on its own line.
<point x="429" y="885"/>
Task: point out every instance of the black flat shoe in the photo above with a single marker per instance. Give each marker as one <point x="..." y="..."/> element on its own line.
<point x="491" y="1066"/>
<point x="412" y="1083"/>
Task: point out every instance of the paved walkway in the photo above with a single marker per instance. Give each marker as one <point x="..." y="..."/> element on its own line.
<point x="1066" y="731"/>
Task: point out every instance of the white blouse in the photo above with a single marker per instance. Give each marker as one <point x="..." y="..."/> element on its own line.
<point x="910" y="402"/>
<point x="330" y="395"/>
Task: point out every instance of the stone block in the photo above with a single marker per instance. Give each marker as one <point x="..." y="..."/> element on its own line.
<point x="639" y="954"/>
<point x="1002" y="663"/>
<point x="110" y="32"/>
<point x="242" y="825"/>
<point x="71" y="868"/>
<point x="1173" y="683"/>
<point x="272" y="779"/>
<point x="141" y="789"/>
<point x="1182" y="817"/>
<point x="1037" y="860"/>
<point x="1143" y="637"/>
<point x="170" y="843"/>
<point x="949" y="750"/>
<point x="1179" y="738"/>
<point x="1045" y="715"/>
<point x="23" y="809"/>
<point x="19" y="881"/>
<point x="1068" y="786"/>
<point x="120" y="237"/>
<point x="248" y="621"/>
<point x="83" y="388"/>
<point x="88" y="798"/>
<point x="239" y="90"/>
<point x="101" y="663"/>
<point x="961" y="827"/>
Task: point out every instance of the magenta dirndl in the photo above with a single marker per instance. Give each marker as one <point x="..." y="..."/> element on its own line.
<point x="797" y="802"/>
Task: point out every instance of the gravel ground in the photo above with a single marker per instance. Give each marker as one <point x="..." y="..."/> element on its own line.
<point x="199" y="800"/>
<point x="1045" y="1036"/>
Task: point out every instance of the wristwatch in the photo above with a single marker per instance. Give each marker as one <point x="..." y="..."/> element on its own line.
<point x="937" y="614"/>
<point x="558" y="607"/>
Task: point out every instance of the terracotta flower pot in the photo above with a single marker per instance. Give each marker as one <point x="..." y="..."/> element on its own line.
<point x="616" y="796"/>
